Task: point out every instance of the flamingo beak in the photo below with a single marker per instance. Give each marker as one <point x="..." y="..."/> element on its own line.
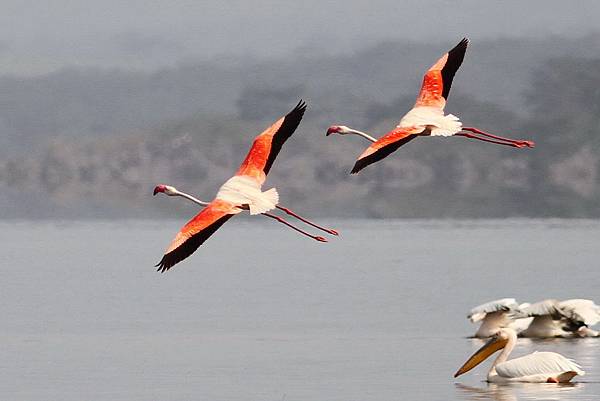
<point x="332" y="130"/>
<point x="494" y="344"/>
<point x="157" y="189"/>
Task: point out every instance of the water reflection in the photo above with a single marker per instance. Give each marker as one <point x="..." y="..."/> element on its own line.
<point x="520" y="391"/>
<point x="487" y="392"/>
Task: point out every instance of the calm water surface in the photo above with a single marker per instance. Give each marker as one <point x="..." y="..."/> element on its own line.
<point x="262" y="314"/>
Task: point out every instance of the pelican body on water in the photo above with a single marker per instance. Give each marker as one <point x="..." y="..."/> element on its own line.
<point x="538" y="367"/>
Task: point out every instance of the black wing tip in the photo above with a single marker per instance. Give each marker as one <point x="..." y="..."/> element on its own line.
<point x="453" y="63"/>
<point x="299" y="109"/>
<point x="163" y="266"/>
<point x="359" y="165"/>
<point x="291" y="121"/>
<point x="460" y="49"/>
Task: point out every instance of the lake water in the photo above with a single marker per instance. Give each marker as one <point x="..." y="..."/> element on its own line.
<point x="260" y="313"/>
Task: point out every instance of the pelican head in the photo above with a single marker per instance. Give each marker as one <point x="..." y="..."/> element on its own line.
<point x="495" y="343"/>
<point x="166" y="189"/>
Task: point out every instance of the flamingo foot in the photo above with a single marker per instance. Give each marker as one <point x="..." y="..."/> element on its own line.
<point x="320" y="239"/>
<point x="523" y="144"/>
<point x="527" y="144"/>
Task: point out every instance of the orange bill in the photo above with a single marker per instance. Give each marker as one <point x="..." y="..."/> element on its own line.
<point x="494" y="344"/>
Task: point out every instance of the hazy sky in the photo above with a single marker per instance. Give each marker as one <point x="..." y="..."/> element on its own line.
<point x="39" y="36"/>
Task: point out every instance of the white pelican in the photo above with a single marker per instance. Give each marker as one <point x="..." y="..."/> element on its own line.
<point x="552" y="318"/>
<point x="496" y="314"/>
<point x="539" y="367"/>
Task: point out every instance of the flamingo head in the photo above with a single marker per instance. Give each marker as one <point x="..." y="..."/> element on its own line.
<point x="338" y="129"/>
<point x="165" y="189"/>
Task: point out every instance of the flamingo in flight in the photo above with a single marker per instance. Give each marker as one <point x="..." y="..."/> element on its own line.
<point x="241" y="192"/>
<point x="427" y="117"/>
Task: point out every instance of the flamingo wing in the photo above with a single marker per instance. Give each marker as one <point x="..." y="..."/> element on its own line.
<point x="196" y="231"/>
<point x="384" y="146"/>
<point x="267" y="145"/>
<point x="538" y="363"/>
<point x="438" y="79"/>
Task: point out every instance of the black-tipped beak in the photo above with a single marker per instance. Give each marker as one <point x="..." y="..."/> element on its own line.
<point x="156" y="190"/>
<point x="330" y="131"/>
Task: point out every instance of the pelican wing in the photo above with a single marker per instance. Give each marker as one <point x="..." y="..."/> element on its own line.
<point x="538" y="363"/>
<point x="478" y="313"/>
<point x="267" y="145"/>
<point x="548" y="307"/>
<point x="580" y="310"/>
<point x="196" y="231"/>
<point x="520" y="325"/>
<point x="384" y="146"/>
<point x="438" y="79"/>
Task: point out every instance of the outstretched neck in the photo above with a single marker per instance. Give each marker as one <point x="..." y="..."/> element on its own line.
<point x="510" y="345"/>
<point x="363" y="134"/>
<point x="190" y="197"/>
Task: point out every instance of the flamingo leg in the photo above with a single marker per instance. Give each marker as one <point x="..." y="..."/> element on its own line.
<point x="310" y="223"/>
<point x="293" y="227"/>
<point x="520" y="143"/>
<point x="514" y="145"/>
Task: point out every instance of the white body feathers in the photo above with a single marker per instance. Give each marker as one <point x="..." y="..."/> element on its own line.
<point x="244" y="190"/>
<point x="534" y="368"/>
<point x="433" y="120"/>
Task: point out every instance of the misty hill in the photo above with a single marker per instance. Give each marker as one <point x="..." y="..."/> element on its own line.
<point x="96" y="103"/>
<point x="100" y="153"/>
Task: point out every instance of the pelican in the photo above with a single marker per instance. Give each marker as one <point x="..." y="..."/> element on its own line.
<point x="496" y="314"/>
<point x="552" y="318"/>
<point x="539" y="367"/>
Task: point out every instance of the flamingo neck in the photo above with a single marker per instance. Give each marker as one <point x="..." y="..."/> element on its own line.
<point x="363" y="134"/>
<point x="508" y="348"/>
<point x="190" y="197"/>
